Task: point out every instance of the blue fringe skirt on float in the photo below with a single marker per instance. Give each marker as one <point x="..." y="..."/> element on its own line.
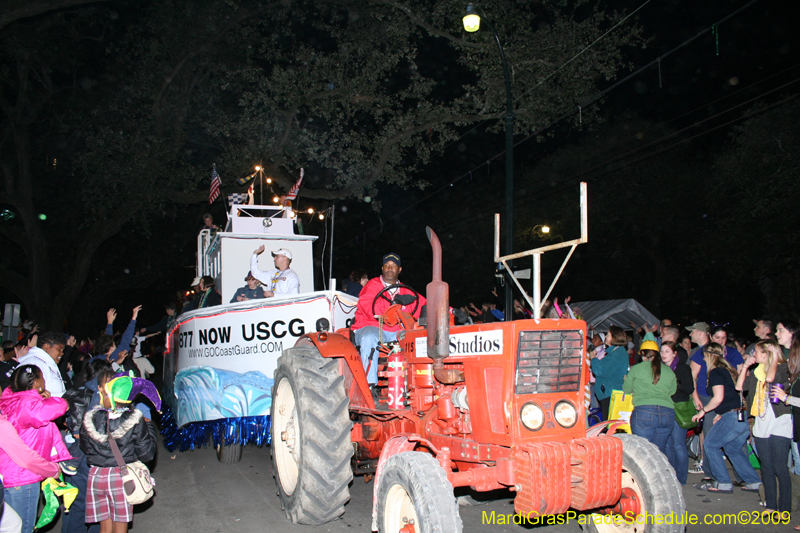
<point x="227" y="431"/>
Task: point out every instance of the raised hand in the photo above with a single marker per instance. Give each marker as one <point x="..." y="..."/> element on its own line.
<point x="259" y="250"/>
<point x="111" y="315"/>
<point x="136" y="312"/>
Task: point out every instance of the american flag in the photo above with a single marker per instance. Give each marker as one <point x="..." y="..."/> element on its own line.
<point x="292" y="194"/>
<point x="215" y="185"/>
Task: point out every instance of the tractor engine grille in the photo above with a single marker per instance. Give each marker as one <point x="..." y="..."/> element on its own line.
<point x="549" y="361"/>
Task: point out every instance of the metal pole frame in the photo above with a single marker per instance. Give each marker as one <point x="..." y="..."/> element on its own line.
<point x="536" y="254"/>
<point x="330" y="254"/>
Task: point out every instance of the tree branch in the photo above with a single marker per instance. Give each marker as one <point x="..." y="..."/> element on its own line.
<point x="101" y="231"/>
<point x="244" y="15"/>
<point x="16" y="284"/>
<point x="14" y="10"/>
<point x="16" y="237"/>
<point x="383" y="157"/>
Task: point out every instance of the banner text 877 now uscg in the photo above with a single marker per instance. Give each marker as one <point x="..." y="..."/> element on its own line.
<point x="215" y="341"/>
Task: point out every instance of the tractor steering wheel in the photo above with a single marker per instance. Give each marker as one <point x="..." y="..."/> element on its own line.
<point x="382" y="294"/>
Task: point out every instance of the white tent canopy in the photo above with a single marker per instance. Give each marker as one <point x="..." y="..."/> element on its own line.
<point x="601" y="314"/>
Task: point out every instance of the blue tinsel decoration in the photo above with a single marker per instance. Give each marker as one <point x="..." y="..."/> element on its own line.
<point x="242" y="430"/>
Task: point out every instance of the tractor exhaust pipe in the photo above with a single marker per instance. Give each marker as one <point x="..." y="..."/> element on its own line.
<point x="438" y="295"/>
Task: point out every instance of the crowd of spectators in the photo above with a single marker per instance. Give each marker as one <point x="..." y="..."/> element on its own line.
<point x="49" y="383"/>
<point x="743" y="393"/>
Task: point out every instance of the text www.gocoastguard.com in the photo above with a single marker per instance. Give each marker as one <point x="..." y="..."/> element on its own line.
<point x="227" y="351"/>
<point x="741" y="518"/>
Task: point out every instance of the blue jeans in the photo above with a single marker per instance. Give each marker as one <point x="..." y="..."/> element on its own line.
<point x="367" y="340"/>
<point x="773" y="453"/>
<point x="795" y="458"/>
<point x="25" y="501"/>
<point x="654" y="423"/>
<point x="677" y="453"/>
<point x="730" y="435"/>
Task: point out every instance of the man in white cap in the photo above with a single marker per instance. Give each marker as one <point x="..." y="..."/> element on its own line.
<point x="192" y="303"/>
<point x="282" y="281"/>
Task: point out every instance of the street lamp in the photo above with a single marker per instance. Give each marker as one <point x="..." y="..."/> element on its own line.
<point x="540" y="229"/>
<point x="472" y="23"/>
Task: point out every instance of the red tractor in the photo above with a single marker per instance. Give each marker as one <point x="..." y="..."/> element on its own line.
<point x="484" y="406"/>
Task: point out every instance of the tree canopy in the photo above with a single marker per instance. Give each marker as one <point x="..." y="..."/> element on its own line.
<point x="113" y="112"/>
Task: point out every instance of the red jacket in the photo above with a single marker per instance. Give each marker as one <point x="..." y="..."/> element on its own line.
<point x="364" y="316"/>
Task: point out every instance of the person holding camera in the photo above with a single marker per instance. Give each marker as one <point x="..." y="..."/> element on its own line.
<point x="773" y="427"/>
<point x="730" y="429"/>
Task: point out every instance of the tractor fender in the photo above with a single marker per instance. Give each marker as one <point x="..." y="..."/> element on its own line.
<point x="339" y="346"/>
<point x="330" y="345"/>
<point x="397" y="444"/>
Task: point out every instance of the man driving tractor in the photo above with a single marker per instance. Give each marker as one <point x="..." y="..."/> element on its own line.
<point x="368" y="332"/>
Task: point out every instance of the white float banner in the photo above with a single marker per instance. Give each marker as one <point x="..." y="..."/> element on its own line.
<point x="222" y="359"/>
<point x="243" y="340"/>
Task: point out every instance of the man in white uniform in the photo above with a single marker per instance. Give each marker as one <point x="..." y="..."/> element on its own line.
<point x="47" y="356"/>
<point x="282" y="281"/>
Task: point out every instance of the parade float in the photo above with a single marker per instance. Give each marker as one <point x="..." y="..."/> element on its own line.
<point x="219" y="361"/>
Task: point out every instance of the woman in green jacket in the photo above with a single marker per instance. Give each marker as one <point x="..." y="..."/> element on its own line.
<point x="652" y="384"/>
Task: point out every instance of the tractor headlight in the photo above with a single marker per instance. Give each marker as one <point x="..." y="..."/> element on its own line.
<point x="565" y="414"/>
<point x="532" y="416"/>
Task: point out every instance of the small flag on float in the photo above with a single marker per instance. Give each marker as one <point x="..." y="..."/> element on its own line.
<point x="247" y="179"/>
<point x="292" y="194"/>
<point x="215" y="186"/>
<point x="238" y="198"/>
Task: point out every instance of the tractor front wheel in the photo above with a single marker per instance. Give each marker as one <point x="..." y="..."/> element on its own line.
<point x="311" y="426"/>
<point x="649" y="485"/>
<point x="414" y="495"/>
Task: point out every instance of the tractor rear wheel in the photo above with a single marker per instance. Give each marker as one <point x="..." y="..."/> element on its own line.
<point x="651" y="485"/>
<point x="413" y="491"/>
<point x="311" y="426"/>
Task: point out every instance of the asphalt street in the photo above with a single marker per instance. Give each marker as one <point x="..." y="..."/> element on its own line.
<point x="197" y="493"/>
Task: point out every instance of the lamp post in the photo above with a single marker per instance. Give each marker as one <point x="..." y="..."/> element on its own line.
<point x="472" y="23"/>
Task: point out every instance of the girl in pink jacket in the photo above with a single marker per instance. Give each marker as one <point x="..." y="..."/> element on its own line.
<point x="31" y="411"/>
<point x="18" y="451"/>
